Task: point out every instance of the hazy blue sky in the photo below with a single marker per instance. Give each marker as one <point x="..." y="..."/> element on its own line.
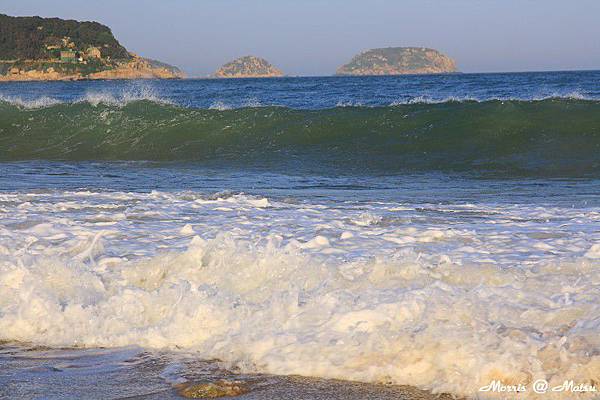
<point x="314" y="37"/>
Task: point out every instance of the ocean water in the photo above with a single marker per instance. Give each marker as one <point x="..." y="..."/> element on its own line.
<point x="440" y="232"/>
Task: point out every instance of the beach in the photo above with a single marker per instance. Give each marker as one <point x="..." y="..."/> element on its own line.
<point x="34" y="372"/>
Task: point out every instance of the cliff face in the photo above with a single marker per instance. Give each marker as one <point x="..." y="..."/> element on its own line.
<point x="34" y="48"/>
<point x="136" y="68"/>
<point x="248" y="67"/>
<point x="398" y="61"/>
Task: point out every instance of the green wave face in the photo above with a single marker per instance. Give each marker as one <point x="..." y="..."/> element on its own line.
<point x="554" y="137"/>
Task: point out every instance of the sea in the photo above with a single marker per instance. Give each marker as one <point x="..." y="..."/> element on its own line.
<point x="309" y="238"/>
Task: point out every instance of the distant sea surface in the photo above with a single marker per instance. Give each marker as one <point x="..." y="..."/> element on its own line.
<point x="437" y="231"/>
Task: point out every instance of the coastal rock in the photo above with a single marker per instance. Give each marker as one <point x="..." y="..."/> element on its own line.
<point x="213" y="390"/>
<point x="248" y="67"/>
<point x="139" y="68"/>
<point x="136" y="68"/>
<point x="399" y="61"/>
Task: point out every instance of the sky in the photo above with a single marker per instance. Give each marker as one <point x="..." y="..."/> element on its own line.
<point x="315" y="37"/>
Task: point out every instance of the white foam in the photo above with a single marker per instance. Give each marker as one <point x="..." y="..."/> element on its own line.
<point x="143" y="92"/>
<point x="132" y="93"/>
<point x="349" y="103"/>
<point x="593" y="252"/>
<point x="187" y="230"/>
<point x="425" y="99"/>
<point x="252" y="103"/>
<point x="220" y="106"/>
<point x="281" y="288"/>
<point x="40" y="102"/>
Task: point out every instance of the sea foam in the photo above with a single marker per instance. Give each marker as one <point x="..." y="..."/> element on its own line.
<point x="448" y="310"/>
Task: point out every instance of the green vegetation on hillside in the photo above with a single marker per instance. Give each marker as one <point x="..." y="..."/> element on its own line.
<point x="390" y="55"/>
<point x="248" y="66"/>
<point x="398" y="60"/>
<point x="34" y="48"/>
<point x="35" y="38"/>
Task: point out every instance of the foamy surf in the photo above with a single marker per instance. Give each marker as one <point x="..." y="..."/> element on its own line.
<point x="126" y="96"/>
<point x="148" y="93"/>
<point x="327" y="290"/>
<point x="129" y="94"/>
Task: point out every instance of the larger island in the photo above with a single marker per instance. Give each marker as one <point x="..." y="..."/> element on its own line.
<point x="399" y="61"/>
<point x="35" y="48"/>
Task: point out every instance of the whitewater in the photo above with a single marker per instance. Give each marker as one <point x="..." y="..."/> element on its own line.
<point x="366" y="247"/>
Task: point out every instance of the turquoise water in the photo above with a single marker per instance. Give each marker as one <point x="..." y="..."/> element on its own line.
<point x="438" y="231"/>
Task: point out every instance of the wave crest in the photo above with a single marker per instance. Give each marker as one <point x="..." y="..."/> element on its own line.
<point x="128" y="95"/>
<point x="556" y="137"/>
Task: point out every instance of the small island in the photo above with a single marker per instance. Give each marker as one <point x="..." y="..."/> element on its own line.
<point x="47" y="49"/>
<point x="399" y="61"/>
<point x="248" y="67"/>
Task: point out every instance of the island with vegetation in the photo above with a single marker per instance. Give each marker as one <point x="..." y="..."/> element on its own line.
<point x="248" y="67"/>
<point x="35" y="48"/>
<point x="399" y="61"/>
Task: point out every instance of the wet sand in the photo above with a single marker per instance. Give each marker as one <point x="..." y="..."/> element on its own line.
<point x="35" y="372"/>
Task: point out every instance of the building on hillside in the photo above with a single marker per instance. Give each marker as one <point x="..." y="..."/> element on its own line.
<point x="93" y="52"/>
<point x="69" y="56"/>
<point x="66" y="42"/>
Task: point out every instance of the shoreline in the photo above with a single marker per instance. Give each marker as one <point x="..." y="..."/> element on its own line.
<point x="153" y="374"/>
<point x="211" y="78"/>
<point x="86" y="79"/>
<point x="137" y="68"/>
<point x="90" y="80"/>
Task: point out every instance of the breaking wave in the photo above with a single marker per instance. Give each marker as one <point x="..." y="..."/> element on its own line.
<point x="406" y="320"/>
<point x="550" y="137"/>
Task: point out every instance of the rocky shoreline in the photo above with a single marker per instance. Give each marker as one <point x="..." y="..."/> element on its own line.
<point x="136" y="68"/>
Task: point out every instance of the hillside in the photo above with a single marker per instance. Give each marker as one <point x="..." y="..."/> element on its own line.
<point x="248" y="67"/>
<point x="35" y="48"/>
<point x="398" y="61"/>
